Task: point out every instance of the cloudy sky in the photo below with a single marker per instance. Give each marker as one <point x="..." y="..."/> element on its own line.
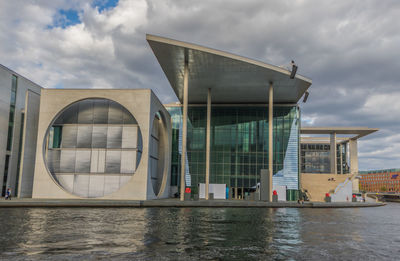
<point x="350" y="49"/>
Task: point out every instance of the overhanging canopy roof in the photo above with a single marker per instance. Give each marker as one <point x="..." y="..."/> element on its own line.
<point x="232" y="78"/>
<point x="357" y="131"/>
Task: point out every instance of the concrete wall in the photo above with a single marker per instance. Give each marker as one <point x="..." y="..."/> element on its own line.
<point x="23" y="85"/>
<point x="343" y="192"/>
<point x="317" y="184"/>
<point x="142" y="104"/>
<point x="28" y="153"/>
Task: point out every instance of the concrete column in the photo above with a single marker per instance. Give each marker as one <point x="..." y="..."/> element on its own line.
<point x="270" y="139"/>
<point x="208" y="141"/>
<point x="333" y="154"/>
<point x="184" y="128"/>
<point x="341" y="158"/>
<point x="353" y="156"/>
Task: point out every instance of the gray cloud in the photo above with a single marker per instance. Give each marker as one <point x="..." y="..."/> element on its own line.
<point x="349" y="49"/>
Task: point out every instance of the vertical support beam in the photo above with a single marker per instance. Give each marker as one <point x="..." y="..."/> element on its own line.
<point x="333" y="161"/>
<point x="341" y="158"/>
<point x="208" y="142"/>
<point x="184" y="127"/>
<point x="270" y="139"/>
<point x="353" y="156"/>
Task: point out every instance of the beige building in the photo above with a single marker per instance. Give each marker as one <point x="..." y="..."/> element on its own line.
<point x="109" y="144"/>
<point x="329" y="161"/>
<point x="19" y="111"/>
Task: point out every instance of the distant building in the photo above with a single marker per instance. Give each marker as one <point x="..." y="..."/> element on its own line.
<point x="385" y="180"/>
<point x="317" y="154"/>
<point x="322" y="146"/>
<point x="19" y="112"/>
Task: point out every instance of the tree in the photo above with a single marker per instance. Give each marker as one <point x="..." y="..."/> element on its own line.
<point x="383" y="189"/>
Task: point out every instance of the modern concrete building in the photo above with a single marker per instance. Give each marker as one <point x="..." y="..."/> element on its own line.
<point x="384" y="180"/>
<point x="316" y="153"/>
<point x="236" y="117"/>
<point x="316" y="157"/>
<point x="19" y="111"/>
<point x="109" y="144"/>
<point x="237" y="124"/>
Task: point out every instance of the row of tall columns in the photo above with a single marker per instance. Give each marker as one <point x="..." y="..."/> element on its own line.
<point x="208" y="137"/>
<point x="333" y="153"/>
<point x="353" y="151"/>
<point x="184" y="135"/>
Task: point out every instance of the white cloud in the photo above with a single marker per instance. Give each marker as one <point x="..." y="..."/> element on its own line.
<point x="349" y="49"/>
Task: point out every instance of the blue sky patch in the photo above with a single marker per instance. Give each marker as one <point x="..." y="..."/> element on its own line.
<point x="104" y="4"/>
<point x="65" y="18"/>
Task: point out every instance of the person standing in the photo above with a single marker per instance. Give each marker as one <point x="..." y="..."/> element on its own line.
<point x="8" y="194"/>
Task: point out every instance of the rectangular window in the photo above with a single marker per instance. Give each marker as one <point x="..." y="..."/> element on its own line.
<point x="13" y="98"/>
<point x="3" y="193"/>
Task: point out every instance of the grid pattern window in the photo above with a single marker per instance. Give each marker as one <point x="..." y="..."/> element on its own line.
<point x="380" y="180"/>
<point x="315" y="158"/>
<point x="13" y="99"/>
<point x="239" y="144"/>
<point x="93" y="147"/>
<point x="341" y="159"/>
<point x="11" y="117"/>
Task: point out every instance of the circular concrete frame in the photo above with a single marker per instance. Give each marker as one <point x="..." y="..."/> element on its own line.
<point x="44" y="142"/>
<point x="164" y="144"/>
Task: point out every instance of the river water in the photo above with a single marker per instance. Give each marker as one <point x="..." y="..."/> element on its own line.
<point x="200" y="234"/>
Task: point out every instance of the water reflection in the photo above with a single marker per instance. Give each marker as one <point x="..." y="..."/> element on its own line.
<point x="198" y="233"/>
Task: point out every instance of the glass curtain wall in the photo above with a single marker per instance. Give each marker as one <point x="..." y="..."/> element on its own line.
<point x="342" y="166"/>
<point x="315" y="158"/>
<point x="239" y="144"/>
<point x="13" y="99"/>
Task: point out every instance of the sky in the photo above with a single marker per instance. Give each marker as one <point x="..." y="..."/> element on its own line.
<point x="350" y="50"/>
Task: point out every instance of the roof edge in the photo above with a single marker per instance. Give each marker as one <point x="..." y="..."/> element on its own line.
<point x="155" y="38"/>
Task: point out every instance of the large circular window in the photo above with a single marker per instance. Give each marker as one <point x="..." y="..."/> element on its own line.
<point x="93" y="147"/>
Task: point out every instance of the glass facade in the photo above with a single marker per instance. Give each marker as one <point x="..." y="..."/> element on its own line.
<point x="13" y="99"/>
<point x="12" y="112"/>
<point x="93" y="147"/>
<point x="315" y="158"/>
<point x="341" y="159"/>
<point x="239" y="146"/>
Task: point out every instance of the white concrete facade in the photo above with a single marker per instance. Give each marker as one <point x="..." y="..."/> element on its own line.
<point x="145" y="107"/>
<point x="21" y="122"/>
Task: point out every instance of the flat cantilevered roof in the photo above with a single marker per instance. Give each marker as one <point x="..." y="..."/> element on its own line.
<point x="232" y="78"/>
<point x="358" y="132"/>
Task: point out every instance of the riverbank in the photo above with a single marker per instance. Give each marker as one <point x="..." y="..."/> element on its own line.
<point x="175" y="203"/>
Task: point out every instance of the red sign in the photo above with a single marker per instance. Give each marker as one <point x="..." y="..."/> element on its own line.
<point x="188" y="190"/>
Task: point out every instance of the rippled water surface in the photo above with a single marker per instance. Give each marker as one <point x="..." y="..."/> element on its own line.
<point x="200" y="234"/>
